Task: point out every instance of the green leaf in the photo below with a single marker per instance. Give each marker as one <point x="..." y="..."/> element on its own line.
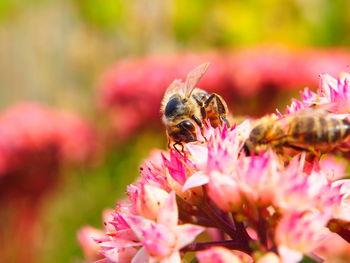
<point x="307" y="259"/>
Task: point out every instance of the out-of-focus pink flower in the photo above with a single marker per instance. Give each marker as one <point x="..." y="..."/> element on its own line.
<point x="269" y="258"/>
<point x="300" y="233"/>
<point x="131" y="90"/>
<point x="217" y="255"/>
<point x="343" y="211"/>
<point x="333" y="168"/>
<point x="334" y="249"/>
<point x="30" y="127"/>
<point x="86" y="240"/>
<point x="35" y="142"/>
<point x="88" y="235"/>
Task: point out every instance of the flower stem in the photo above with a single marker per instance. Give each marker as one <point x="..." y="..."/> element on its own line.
<point x="262" y="231"/>
<point x="221" y="223"/>
<point x="241" y="230"/>
<point x="341" y="228"/>
<point x="344" y="233"/>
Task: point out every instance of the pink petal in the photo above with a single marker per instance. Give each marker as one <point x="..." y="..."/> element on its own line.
<point x="168" y="213"/>
<point x="199" y="154"/>
<point x="269" y="258"/>
<point x="217" y="255"/>
<point x="86" y="236"/>
<point x="159" y="241"/>
<point x="195" y="180"/>
<point x="138" y="225"/>
<point x="187" y="233"/>
<point x="141" y="257"/>
<point x="288" y="255"/>
<point x="119" y="243"/>
<point x="123" y="255"/>
<point x="224" y="191"/>
<point x="173" y="258"/>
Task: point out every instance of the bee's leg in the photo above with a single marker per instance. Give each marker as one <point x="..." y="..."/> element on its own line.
<point x="315" y="155"/>
<point x="221" y="107"/>
<point x="182" y="148"/>
<point x="224" y="120"/>
<point x="201" y="105"/>
<point x="312" y="154"/>
<point x="200" y="124"/>
<point x="299" y="149"/>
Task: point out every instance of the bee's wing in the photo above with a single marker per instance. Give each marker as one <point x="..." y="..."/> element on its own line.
<point x="193" y="78"/>
<point x="175" y="87"/>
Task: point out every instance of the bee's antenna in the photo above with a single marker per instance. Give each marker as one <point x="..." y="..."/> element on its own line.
<point x="194" y="77"/>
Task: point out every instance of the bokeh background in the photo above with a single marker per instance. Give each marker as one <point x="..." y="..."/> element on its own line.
<point x="65" y="53"/>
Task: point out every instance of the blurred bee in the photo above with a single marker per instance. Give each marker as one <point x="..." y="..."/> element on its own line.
<point x="311" y="130"/>
<point x="185" y="108"/>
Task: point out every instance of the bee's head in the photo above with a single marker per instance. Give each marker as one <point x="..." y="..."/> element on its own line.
<point x="184" y="131"/>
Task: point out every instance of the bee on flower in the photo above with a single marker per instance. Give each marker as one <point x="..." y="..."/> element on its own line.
<point x="186" y="109"/>
<point x="227" y="206"/>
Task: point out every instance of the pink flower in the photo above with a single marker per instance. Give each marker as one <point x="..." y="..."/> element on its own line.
<point x="86" y="240"/>
<point x="300" y="233"/>
<point x="337" y="91"/>
<point x="163" y="239"/>
<point x="35" y="142"/>
<point x="147" y="199"/>
<point x="267" y="207"/>
<point x="88" y="235"/>
<point x="333" y="168"/>
<point x="217" y="255"/>
<point x="269" y="258"/>
<point x="334" y="249"/>
<point x="286" y="205"/>
<point x="333" y="94"/>
<point x="343" y="211"/>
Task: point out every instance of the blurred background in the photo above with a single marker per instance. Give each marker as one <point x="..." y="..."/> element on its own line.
<point x="107" y="63"/>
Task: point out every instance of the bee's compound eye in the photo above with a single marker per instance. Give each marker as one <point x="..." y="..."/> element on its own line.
<point x="171" y="107"/>
<point x="187" y="125"/>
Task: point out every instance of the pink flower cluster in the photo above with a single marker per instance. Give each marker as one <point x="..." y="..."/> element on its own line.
<point x="28" y="128"/>
<point x="35" y="141"/>
<point x="213" y="199"/>
<point x="131" y="91"/>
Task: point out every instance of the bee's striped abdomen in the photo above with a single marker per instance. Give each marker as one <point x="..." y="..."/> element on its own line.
<point x="303" y="129"/>
<point x="318" y="130"/>
<point x="338" y="130"/>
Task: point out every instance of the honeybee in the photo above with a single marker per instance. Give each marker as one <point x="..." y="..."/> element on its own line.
<point x="185" y="108"/>
<point x="311" y="130"/>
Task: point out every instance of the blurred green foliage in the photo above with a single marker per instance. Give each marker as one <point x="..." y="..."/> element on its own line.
<point x="230" y="23"/>
<point x="48" y="45"/>
<point x="55" y="51"/>
<point x="106" y="15"/>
